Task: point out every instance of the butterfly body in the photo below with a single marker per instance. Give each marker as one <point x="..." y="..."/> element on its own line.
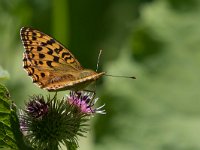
<point x="51" y="66"/>
<point x="80" y="79"/>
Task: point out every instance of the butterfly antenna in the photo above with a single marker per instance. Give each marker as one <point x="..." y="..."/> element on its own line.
<point x="100" y="51"/>
<point x="130" y="77"/>
<point x="98" y="59"/>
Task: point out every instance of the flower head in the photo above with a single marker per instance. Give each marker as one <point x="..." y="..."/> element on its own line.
<point x="47" y="123"/>
<point x="85" y="102"/>
<point x="37" y="107"/>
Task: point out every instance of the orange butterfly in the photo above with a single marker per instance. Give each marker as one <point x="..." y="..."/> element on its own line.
<point x="51" y="65"/>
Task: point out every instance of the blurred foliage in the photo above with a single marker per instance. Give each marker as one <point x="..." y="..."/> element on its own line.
<point x="144" y="45"/>
<point x="156" y="41"/>
<point x="3" y="74"/>
<point x="159" y="110"/>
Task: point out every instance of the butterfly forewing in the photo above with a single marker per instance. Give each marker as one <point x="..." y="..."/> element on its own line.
<point x="38" y="43"/>
<point x="51" y="65"/>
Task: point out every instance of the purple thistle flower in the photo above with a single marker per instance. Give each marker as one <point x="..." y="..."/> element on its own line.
<point x="85" y="101"/>
<point x="37" y="107"/>
<point x="46" y="124"/>
<point x="23" y="122"/>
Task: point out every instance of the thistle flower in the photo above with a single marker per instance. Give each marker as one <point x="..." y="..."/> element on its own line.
<point x="48" y="123"/>
<point x="37" y="107"/>
<point x="85" y="102"/>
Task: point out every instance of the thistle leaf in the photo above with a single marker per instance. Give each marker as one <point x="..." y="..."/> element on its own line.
<point x="10" y="135"/>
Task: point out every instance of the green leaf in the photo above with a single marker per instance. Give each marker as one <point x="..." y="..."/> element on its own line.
<point x="10" y="135"/>
<point x="6" y="134"/>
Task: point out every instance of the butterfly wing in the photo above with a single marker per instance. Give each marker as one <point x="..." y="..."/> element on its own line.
<point x="46" y="60"/>
<point x="51" y="65"/>
<point x="36" y="42"/>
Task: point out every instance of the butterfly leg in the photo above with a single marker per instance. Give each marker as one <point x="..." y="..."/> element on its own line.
<point x="88" y="93"/>
<point x="92" y="96"/>
<point x="56" y="93"/>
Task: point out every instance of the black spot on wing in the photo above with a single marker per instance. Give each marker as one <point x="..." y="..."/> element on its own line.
<point x="50" y="51"/>
<point x="42" y="75"/>
<point x="35" y="62"/>
<point x="25" y="66"/>
<point x="66" y="54"/>
<point x="41" y="55"/>
<point x="58" y="50"/>
<point x="40" y="62"/>
<point x="31" y="71"/>
<point x="43" y="44"/>
<point x="56" y="59"/>
<point x="34" y="34"/>
<point x="39" y="48"/>
<point x="34" y="38"/>
<point x="49" y="63"/>
<point x="35" y="78"/>
<point x="51" y="41"/>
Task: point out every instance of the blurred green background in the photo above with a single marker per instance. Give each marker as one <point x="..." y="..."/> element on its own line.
<point x="158" y="41"/>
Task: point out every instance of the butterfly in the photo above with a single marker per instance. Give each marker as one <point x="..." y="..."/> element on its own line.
<point x="52" y="66"/>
